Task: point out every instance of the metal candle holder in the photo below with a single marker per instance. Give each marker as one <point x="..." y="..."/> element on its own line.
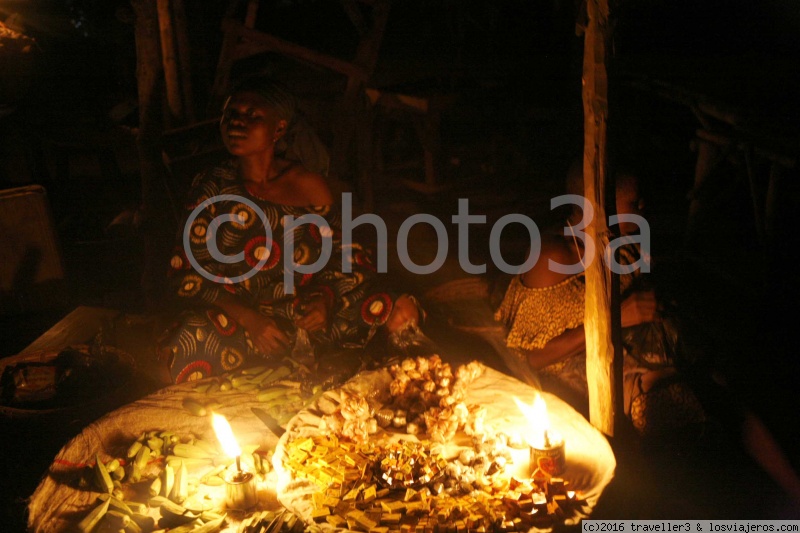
<point x="240" y="491"/>
<point x="550" y="458"/>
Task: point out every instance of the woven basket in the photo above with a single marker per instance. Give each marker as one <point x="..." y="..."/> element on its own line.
<point x="460" y="289"/>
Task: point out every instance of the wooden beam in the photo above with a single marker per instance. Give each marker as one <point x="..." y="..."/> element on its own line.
<point x="726" y="140"/>
<point x="714" y="116"/>
<point x="295" y="51"/>
<point x="597" y="323"/>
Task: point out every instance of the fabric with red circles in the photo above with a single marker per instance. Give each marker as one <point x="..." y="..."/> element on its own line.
<point x="358" y="301"/>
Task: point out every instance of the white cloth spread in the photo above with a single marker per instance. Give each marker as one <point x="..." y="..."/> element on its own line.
<point x="57" y="504"/>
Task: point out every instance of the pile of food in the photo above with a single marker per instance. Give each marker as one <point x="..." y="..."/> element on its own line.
<point x="281" y="391"/>
<point x="421" y="459"/>
<point x="425" y="398"/>
<point x="169" y="481"/>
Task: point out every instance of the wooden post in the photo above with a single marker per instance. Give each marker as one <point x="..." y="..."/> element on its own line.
<point x="221" y="84"/>
<point x="170" y="62"/>
<point x="597" y="323"/>
<point x="252" y="14"/>
<point x="709" y="155"/>
<point x="776" y="172"/>
<point x="366" y="57"/>
<point x="756" y="193"/>
<point x="364" y="155"/>
<point x="158" y="226"/>
<point x="184" y="58"/>
<point x="148" y="67"/>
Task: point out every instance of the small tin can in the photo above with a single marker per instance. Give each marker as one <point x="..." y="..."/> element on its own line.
<point x="551" y="459"/>
<point x="240" y="491"/>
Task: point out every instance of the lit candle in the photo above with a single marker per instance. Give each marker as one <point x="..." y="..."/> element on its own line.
<point x="546" y="444"/>
<point x="240" y="488"/>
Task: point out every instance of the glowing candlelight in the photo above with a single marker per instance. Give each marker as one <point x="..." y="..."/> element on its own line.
<point x="539" y="432"/>
<point x="240" y="490"/>
<point x="225" y="437"/>
<point x="546" y="444"/>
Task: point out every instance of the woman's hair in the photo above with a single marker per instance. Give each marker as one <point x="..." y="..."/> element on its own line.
<point x="274" y="92"/>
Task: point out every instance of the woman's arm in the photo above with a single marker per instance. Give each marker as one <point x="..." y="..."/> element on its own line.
<point x="264" y="331"/>
<point x="638" y="308"/>
<point x="571" y="342"/>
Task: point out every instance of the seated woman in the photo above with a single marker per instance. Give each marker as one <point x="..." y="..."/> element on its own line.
<point x="543" y="310"/>
<point x="238" y="312"/>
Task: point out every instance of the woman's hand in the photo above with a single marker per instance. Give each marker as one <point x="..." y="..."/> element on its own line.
<point x="639" y="308"/>
<point x="265" y="333"/>
<point x="315" y="315"/>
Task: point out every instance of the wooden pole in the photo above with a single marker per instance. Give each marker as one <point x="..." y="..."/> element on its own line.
<point x="184" y="58"/>
<point x="252" y="14"/>
<point x="170" y="63"/>
<point x="157" y="229"/>
<point x="597" y="323"/>
<point x="221" y="84"/>
<point x="364" y="62"/>
<point x="148" y="66"/>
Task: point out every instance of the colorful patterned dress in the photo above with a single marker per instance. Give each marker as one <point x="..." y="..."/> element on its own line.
<point x="205" y="341"/>
<point x="535" y="316"/>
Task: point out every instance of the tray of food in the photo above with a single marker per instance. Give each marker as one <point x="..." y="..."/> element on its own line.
<point x="420" y="447"/>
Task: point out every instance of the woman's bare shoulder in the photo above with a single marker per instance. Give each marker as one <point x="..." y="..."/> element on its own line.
<point x="309" y="187"/>
<point x="555" y="248"/>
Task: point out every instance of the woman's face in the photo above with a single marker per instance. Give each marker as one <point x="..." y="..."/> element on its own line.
<point x="250" y="126"/>
<point x="629" y="202"/>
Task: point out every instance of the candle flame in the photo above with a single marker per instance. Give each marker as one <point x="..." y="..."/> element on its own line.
<point x="225" y="435"/>
<point x="538" y="421"/>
